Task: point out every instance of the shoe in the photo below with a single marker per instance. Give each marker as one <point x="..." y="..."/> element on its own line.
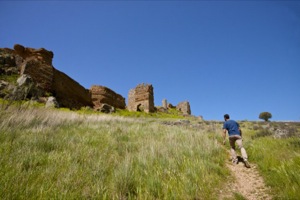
<point x="246" y="164"/>
<point x="235" y="161"/>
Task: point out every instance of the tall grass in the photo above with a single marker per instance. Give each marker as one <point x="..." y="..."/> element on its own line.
<point x="50" y="154"/>
<point x="279" y="163"/>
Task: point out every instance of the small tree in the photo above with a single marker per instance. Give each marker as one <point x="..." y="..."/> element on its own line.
<point x="265" y="116"/>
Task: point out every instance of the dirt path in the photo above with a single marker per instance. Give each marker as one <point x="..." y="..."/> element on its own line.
<point x="246" y="183"/>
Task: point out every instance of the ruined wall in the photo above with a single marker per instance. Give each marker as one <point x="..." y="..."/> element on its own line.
<point x="184" y="107"/>
<point x="104" y="95"/>
<point x="141" y="98"/>
<point x="8" y="65"/>
<point x="70" y="93"/>
<point x="37" y="63"/>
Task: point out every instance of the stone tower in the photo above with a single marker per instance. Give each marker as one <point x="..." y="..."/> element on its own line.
<point x="165" y="104"/>
<point x="141" y="98"/>
<point x="184" y="107"/>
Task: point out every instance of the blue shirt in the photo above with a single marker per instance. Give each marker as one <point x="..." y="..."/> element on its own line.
<point x="232" y="127"/>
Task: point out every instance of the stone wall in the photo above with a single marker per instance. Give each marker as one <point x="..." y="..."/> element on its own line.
<point x="104" y="95"/>
<point x="141" y="98"/>
<point x="70" y="93"/>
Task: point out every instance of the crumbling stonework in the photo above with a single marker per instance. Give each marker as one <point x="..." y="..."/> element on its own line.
<point x="37" y="63"/>
<point x="8" y="64"/>
<point x="70" y="93"/>
<point x="141" y="98"/>
<point x="184" y="107"/>
<point x="165" y="104"/>
<point x="103" y="95"/>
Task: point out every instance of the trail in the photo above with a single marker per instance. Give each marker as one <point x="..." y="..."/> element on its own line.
<point x="245" y="182"/>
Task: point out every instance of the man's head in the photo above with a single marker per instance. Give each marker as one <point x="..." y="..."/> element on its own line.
<point x="226" y="117"/>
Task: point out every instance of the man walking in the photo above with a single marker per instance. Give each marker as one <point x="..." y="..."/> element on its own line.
<point x="235" y="136"/>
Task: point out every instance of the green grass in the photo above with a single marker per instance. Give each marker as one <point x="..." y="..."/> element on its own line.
<point x="171" y="114"/>
<point x="63" y="154"/>
<point x="52" y="154"/>
<point x="279" y="163"/>
<point x="278" y="159"/>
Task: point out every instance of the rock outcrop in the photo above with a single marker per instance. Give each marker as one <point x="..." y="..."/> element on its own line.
<point x="105" y="108"/>
<point x="52" y="103"/>
<point x="141" y="98"/>
<point x="103" y="95"/>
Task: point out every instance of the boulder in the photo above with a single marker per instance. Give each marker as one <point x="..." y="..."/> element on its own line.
<point x="52" y="103"/>
<point x="105" y="108"/>
<point x="25" y="89"/>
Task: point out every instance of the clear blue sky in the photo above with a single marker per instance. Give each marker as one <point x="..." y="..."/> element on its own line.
<point x="236" y="57"/>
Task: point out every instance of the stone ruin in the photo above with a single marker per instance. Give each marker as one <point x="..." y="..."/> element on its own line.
<point x="36" y="65"/>
<point x="141" y="98"/>
<point x="184" y="107"/>
<point x="165" y="103"/>
<point x="103" y="95"/>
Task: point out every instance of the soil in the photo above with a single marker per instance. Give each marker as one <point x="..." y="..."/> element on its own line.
<point x="246" y="183"/>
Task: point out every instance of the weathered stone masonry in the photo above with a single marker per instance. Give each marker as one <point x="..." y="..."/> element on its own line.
<point x="104" y="95"/>
<point x="141" y="98"/>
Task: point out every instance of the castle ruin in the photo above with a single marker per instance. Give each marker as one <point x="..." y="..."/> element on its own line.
<point x="141" y="98"/>
<point x="103" y="95"/>
<point x="184" y="107"/>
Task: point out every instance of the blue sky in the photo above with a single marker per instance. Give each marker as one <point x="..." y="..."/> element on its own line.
<point x="236" y="57"/>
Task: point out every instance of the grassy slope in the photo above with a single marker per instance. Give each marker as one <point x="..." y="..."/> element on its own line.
<point x="52" y="154"/>
<point x="47" y="154"/>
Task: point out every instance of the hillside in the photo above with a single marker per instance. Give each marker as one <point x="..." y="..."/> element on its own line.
<point x="62" y="154"/>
